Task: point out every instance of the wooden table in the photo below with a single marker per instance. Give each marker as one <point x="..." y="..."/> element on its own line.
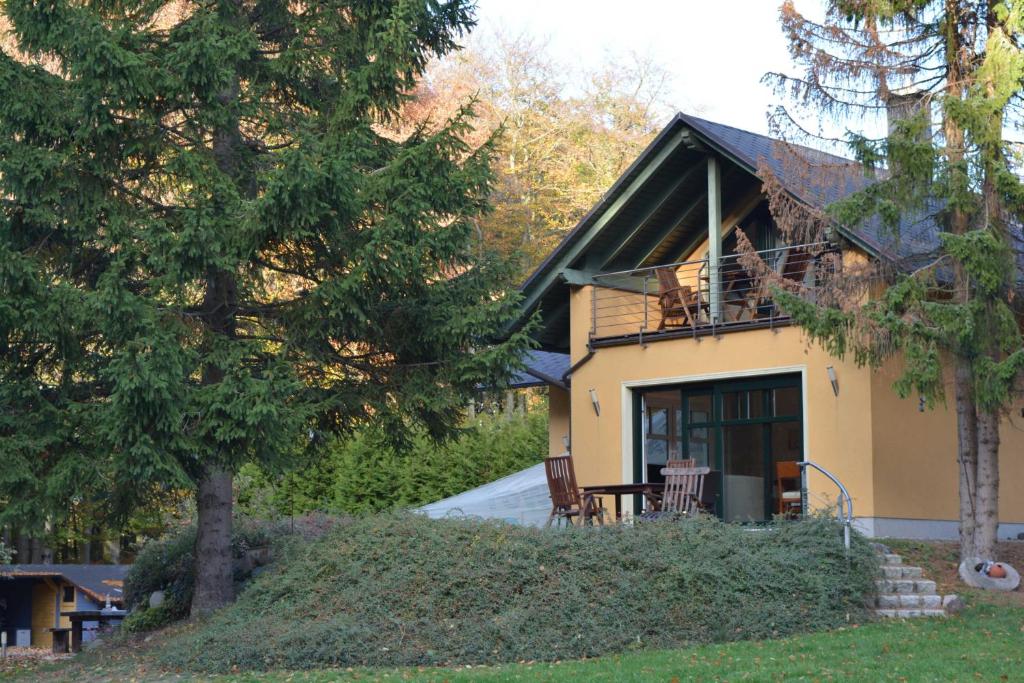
<point x="648" y="490"/>
<point x="81" y="615"/>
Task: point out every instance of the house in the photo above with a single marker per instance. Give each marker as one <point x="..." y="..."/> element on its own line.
<point x="32" y="597"/>
<point x="715" y="371"/>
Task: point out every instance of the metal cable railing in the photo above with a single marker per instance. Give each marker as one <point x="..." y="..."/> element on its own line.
<point x="678" y="296"/>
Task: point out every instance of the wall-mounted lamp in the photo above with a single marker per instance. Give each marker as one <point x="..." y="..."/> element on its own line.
<point x="597" y="404"/>
<point x="833" y="379"/>
<point x="920" y="404"/>
<point x="565" y="442"/>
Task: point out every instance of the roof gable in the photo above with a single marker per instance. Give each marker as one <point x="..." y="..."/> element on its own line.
<point x="646" y="216"/>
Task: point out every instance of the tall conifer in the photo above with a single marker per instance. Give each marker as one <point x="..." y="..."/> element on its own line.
<point x="949" y="75"/>
<point x="210" y="253"/>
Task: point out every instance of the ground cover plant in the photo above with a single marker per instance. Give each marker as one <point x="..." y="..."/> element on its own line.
<point x="981" y="643"/>
<point x="401" y="589"/>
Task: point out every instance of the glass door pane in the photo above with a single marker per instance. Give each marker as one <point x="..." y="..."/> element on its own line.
<point x="700" y="446"/>
<point x="663" y="439"/>
<point x="787" y="445"/>
<point x="743" y="462"/>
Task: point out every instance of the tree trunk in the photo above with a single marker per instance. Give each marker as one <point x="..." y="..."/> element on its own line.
<point x="214" y="587"/>
<point x="967" y="455"/>
<point x="986" y="516"/>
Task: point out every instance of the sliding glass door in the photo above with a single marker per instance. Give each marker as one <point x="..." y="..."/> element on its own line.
<point x="740" y="429"/>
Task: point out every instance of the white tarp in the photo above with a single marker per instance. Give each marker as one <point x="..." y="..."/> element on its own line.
<point x="520" y="498"/>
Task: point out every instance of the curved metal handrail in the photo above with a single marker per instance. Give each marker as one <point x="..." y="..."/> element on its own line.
<point x="844" y="498"/>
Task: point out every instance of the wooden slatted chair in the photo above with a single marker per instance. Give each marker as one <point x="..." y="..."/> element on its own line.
<point x="685" y="492"/>
<point x="684" y="489"/>
<point x="788" y="494"/>
<point x="794" y="269"/>
<point x="678" y="302"/>
<point x="655" y="498"/>
<point x="797" y="265"/>
<point x="567" y="501"/>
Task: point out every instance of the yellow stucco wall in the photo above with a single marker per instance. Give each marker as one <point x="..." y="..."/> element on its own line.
<point x="837" y="432"/>
<point x="915" y="456"/>
<point x="67" y="606"/>
<point x="558" y="419"/>
<point x="896" y="461"/>
<point x="44" y="610"/>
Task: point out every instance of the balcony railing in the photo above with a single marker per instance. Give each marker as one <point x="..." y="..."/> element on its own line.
<point x="676" y="299"/>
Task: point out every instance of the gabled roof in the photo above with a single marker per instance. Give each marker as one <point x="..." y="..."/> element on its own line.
<point x="98" y="581"/>
<point x="660" y="200"/>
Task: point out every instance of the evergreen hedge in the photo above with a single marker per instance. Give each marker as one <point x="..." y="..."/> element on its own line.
<point x="363" y="473"/>
<point x="392" y="590"/>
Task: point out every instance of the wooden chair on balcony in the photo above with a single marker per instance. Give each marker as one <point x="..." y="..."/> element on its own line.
<point x="788" y="492"/>
<point x="758" y="293"/>
<point x="678" y="302"/>
<point x="568" y="503"/>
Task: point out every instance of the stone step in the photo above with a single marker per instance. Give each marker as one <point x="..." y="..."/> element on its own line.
<point x="901" y="571"/>
<point x="910" y="613"/>
<point x="904" y="586"/>
<point x="908" y="600"/>
<point x="890" y="558"/>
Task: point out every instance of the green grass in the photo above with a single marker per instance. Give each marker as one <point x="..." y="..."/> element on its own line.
<point x="983" y="643"/>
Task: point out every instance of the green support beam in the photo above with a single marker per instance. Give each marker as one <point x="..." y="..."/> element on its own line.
<point x="602" y="260"/>
<point x="671" y="226"/>
<point x="715" y="237"/>
<point x="550" y="278"/>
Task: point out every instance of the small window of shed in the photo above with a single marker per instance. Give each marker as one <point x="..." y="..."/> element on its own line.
<point x="69" y="594"/>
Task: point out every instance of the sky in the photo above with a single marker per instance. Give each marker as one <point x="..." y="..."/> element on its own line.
<point x="716" y="50"/>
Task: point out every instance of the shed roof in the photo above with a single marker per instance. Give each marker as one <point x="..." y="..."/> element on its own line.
<point x="98" y="581"/>
<point x="542" y="368"/>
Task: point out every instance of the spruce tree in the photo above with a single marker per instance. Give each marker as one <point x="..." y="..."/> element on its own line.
<point x="211" y="253"/>
<point x="953" y="69"/>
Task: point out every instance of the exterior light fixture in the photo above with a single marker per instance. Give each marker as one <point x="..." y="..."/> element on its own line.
<point x="920" y="404"/>
<point x="565" y="442"/>
<point x="597" y="404"/>
<point x="833" y="379"/>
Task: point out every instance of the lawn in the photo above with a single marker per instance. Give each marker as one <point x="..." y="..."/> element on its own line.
<point x="982" y="643"/>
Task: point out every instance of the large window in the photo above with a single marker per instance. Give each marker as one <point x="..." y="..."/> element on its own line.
<point x="740" y="429"/>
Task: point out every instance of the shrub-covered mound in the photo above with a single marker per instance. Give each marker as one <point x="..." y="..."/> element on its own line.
<point x="168" y="565"/>
<point x="407" y="590"/>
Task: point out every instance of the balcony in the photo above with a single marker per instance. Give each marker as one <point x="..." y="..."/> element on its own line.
<point x="692" y="298"/>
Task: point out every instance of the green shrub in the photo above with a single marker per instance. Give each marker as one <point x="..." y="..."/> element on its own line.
<point x="150" y="618"/>
<point x="395" y="590"/>
<point x="362" y="473"/>
<point x="168" y="565"/>
<point x="165" y="565"/>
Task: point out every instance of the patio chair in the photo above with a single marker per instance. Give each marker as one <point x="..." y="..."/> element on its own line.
<point x="684" y="489"/>
<point x="655" y="498"/>
<point x="677" y="302"/>
<point x="684" y="493"/>
<point x="567" y="501"/>
<point x="788" y="494"/>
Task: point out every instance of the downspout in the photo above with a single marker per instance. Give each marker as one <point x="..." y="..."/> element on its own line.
<point x="567" y="382"/>
<point x="567" y="376"/>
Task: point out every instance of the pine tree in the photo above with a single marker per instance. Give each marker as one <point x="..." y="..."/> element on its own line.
<point x="211" y="254"/>
<point x="956" y="64"/>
